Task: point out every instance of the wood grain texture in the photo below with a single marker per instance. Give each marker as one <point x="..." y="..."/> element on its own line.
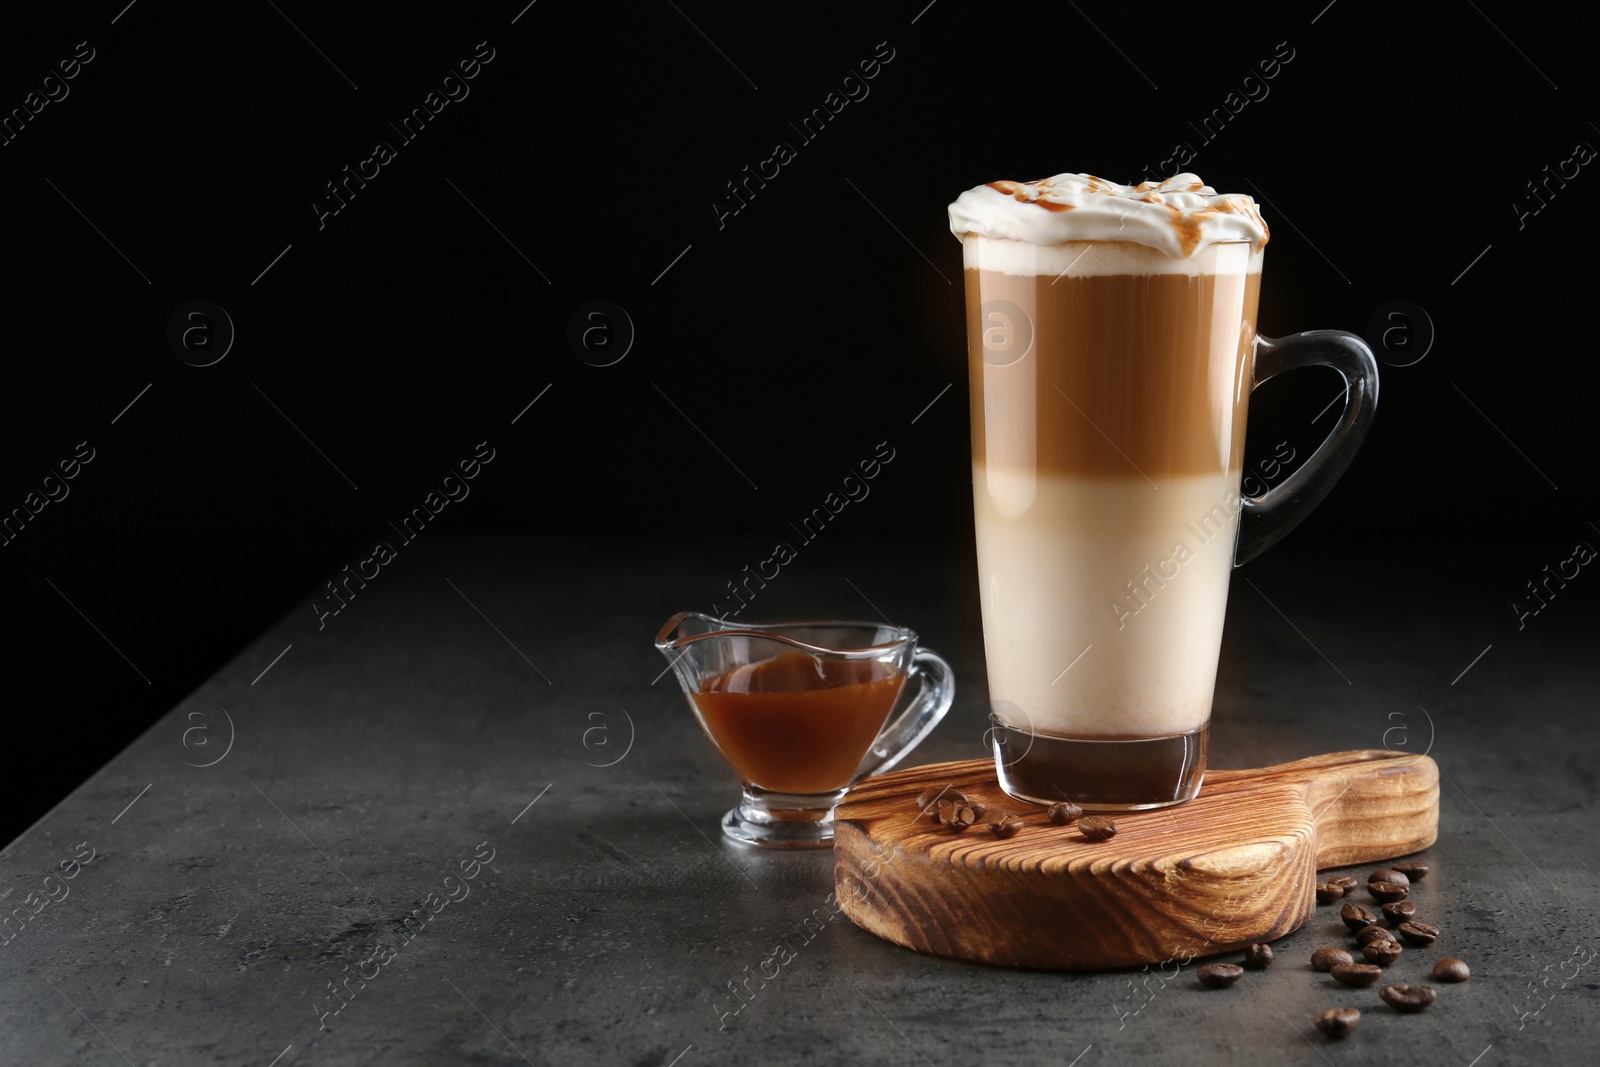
<point x="1234" y="865"/>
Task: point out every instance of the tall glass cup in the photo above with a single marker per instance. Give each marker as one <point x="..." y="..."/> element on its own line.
<point x="1110" y="382"/>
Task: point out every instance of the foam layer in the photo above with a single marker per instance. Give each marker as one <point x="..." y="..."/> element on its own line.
<point x="1084" y="259"/>
<point x="1178" y="217"/>
<point x="1053" y="581"/>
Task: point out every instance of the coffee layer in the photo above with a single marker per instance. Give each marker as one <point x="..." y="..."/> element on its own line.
<point x="1110" y="375"/>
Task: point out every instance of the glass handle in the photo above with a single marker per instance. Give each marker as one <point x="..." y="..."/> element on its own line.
<point x="1264" y="519"/>
<point x="905" y="731"/>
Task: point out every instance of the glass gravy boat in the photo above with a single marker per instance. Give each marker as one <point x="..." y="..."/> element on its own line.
<point x="802" y="710"/>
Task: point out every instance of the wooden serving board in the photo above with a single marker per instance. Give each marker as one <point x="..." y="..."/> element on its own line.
<point x="1236" y="864"/>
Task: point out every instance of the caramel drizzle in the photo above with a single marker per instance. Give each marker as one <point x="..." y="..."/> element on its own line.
<point x="1030" y="193"/>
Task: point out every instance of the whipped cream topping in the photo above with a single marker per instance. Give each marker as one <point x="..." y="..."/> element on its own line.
<point x="1179" y="216"/>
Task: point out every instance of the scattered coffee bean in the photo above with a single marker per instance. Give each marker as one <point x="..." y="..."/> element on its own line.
<point x="979" y="808"/>
<point x="1407" y="997"/>
<point x="1096" y="828"/>
<point x="1325" y="959"/>
<point x="1355" y="917"/>
<point x="1219" y="975"/>
<point x="1064" y="813"/>
<point x="1327" y="892"/>
<point x="1343" y="881"/>
<point x="963" y="819"/>
<point x="1451" y="969"/>
<point x="1006" y="825"/>
<point x="1414" y="871"/>
<point x="1337" y="1022"/>
<point x="1381" y="952"/>
<point x="1399" y="911"/>
<point x="935" y="794"/>
<point x="1418" y="933"/>
<point x="1356" y="974"/>
<point x="1388" y="892"/>
<point x="943" y="812"/>
<point x="1388" y="874"/>
<point x="1259" y="956"/>
<point x="1368" y="934"/>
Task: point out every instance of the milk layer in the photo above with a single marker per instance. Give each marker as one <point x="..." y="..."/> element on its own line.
<point x="1103" y="600"/>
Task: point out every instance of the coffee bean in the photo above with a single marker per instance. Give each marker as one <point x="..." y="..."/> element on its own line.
<point x="1414" y="871"/>
<point x="1219" y="975"/>
<point x="1327" y="893"/>
<point x="1259" y="956"/>
<point x="1337" y="1022"/>
<point x="1096" y="828"/>
<point x="978" y="809"/>
<point x="947" y="810"/>
<point x="1064" y="813"/>
<point x="934" y="794"/>
<point x="1368" y="934"/>
<point x="1006" y="826"/>
<point x="1356" y="974"/>
<point x="1355" y="917"/>
<point x="1399" y="911"/>
<point x="1325" y="959"/>
<point x="1343" y="881"/>
<point x="1407" y="997"/>
<point x="1388" y="892"/>
<point x="1388" y="875"/>
<point x="1381" y="952"/>
<point x="963" y="819"/>
<point x="1451" y="969"/>
<point x="1418" y="933"/>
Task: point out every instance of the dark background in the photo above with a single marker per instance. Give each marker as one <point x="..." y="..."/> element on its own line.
<point x="814" y="324"/>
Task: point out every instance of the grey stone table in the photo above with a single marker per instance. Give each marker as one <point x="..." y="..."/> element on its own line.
<point x="471" y="802"/>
